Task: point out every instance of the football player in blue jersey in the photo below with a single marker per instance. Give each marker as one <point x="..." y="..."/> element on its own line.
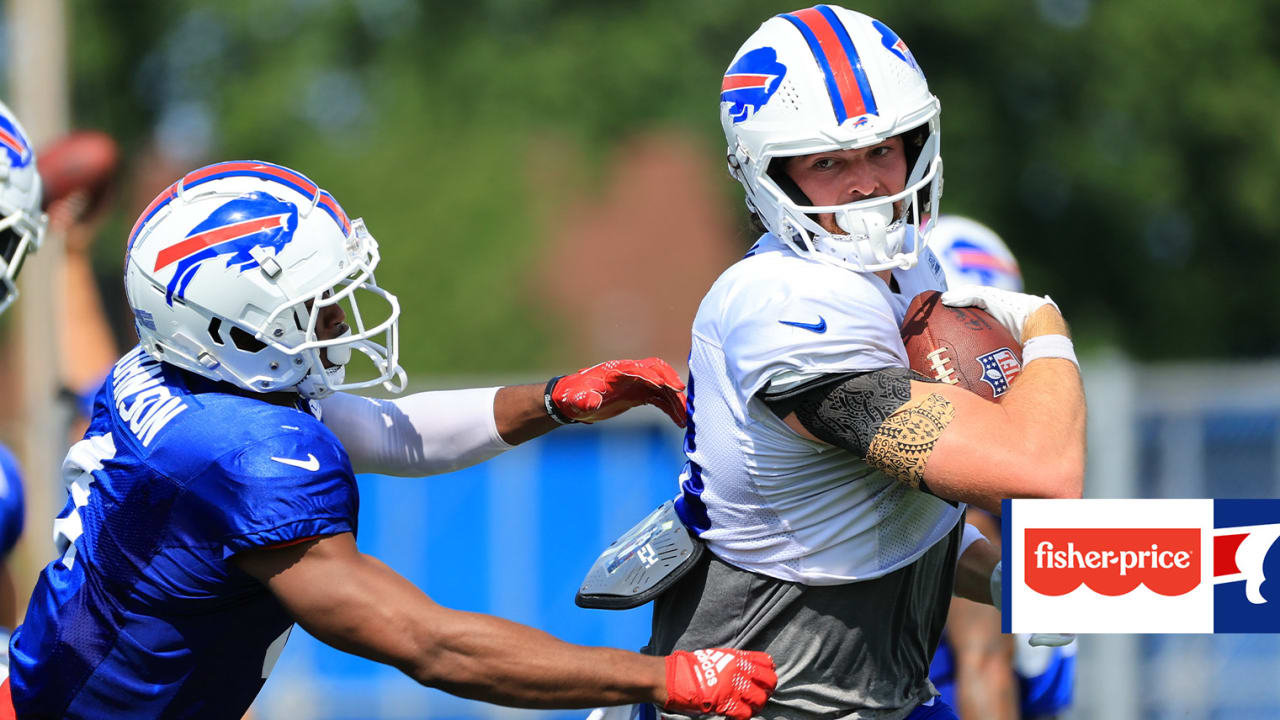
<point x="212" y="502"/>
<point x="22" y="228"/>
<point x="826" y="479"/>
<point x="979" y="671"/>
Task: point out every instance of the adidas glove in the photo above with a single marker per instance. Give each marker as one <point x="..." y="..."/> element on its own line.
<point x="731" y="683"/>
<point x="611" y="388"/>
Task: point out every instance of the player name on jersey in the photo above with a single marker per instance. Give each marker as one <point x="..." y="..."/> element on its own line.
<point x="142" y="400"/>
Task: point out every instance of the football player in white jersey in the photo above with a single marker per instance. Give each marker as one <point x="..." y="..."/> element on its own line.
<point x="828" y="481"/>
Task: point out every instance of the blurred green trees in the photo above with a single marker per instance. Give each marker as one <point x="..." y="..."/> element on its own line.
<point x="1128" y="150"/>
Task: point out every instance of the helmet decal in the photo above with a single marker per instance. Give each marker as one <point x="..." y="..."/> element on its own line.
<point x="895" y="45"/>
<point x="255" y="169"/>
<point x="847" y="82"/>
<point x="972" y="258"/>
<point x="750" y="82"/>
<point x="234" y="229"/>
<point x="14" y="143"/>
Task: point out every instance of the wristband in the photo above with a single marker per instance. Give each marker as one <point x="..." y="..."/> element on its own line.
<point x="970" y="536"/>
<point x="550" y="404"/>
<point x="1049" y="346"/>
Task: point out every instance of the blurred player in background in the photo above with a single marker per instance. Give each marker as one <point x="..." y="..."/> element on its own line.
<point x="212" y="502"/>
<point x="22" y="228"/>
<point x="984" y="674"/>
<point x="827" y="480"/>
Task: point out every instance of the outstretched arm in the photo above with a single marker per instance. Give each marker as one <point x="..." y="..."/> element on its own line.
<point x="357" y="604"/>
<point x="435" y="432"/>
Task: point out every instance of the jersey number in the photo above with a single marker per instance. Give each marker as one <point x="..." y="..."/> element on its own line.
<point x="77" y="472"/>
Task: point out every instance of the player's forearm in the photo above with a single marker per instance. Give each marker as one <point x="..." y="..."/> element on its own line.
<point x="498" y="661"/>
<point x="1046" y="408"/>
<point x="983" y="662"/>
<point x="973" y="572"/>
<point x="520" y="413"/>
<point x="985" y="688"/>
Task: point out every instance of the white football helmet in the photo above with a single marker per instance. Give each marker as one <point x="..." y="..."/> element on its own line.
<point x="973" y="254"/>
<point x="227" y="272"/>
<point x="21" y="222"/>
<point x="821" y="79"/>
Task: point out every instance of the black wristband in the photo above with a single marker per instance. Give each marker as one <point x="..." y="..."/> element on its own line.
<point x="550" y="404"/>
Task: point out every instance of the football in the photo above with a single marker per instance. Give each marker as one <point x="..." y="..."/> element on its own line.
<point x="84" y="160"/>
<point x="960" y="345"/>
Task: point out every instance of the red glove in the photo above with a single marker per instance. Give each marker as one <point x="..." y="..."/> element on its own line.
<point x="611" y="388"/>
<point x="732" y="683"/>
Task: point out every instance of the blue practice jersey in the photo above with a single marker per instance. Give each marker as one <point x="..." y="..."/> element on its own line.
<point x="12" y="508"/>
<point x="143" y="615"/>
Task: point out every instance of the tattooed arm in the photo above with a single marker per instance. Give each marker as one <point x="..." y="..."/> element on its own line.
<point x="946" y="440"/>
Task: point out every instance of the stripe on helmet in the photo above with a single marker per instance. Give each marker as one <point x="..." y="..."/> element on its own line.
<point x="846" y="81"/>
<point x="261" y="170"/>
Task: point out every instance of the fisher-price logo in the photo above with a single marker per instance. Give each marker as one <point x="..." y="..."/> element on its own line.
<point x="1113" y="561"/>
<point x="1142" y="566"/>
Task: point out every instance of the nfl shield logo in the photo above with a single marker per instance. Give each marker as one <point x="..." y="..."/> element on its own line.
<point x="999" y="368"/>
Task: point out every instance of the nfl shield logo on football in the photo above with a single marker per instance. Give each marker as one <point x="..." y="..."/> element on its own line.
<point x="999" y="368"/>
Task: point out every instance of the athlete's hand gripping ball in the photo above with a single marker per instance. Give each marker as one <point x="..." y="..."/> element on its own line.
<point x="732" y="683"/>
<point x="1010" y="309"/>
<point x="611" y="388"/>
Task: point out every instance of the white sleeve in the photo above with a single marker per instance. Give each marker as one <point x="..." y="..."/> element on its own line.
<point x="421" y="434"/>
<point x="807" y="326"/>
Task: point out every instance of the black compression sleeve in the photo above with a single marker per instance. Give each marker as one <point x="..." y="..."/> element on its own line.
<point x="848" y="410"/>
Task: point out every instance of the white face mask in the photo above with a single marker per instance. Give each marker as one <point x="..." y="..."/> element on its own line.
<point x="313" y="386"/>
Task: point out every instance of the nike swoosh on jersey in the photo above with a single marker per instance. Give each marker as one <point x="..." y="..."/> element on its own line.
<point x="311" y="463"/>
<point x="818" y="327"/>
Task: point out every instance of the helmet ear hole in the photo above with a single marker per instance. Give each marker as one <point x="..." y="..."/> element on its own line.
<point x="246" y="342"/>
<point x="214" y="325"/>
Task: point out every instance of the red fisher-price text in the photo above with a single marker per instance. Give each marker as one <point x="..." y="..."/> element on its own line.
<point x="1112" y="561"/>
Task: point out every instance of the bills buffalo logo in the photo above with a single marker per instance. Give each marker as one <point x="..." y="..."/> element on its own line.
<point x="1246" y="566"/>
<point x="895" y="45"/>
<point x="235" y="229"/>
<point x="14" y="144"/>
<point x="981" y="265"/>
<point x="999" y="368"/>
<point x="751" y="81"/>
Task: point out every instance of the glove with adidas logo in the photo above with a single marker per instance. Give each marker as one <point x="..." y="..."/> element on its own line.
<point x="718" y="681"/>
<point x="611" y="388"/>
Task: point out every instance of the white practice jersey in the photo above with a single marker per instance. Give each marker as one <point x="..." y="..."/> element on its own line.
<point x="764" y="498"/>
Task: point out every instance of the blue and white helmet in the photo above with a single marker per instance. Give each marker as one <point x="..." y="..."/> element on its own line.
<point x="227" y="271"/>
<point x="821" y="79"/>
<point x="973" y="254"/>
<point x="22" y="224"/>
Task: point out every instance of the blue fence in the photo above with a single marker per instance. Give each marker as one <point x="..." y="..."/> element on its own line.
<point x="512" y="537"/>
